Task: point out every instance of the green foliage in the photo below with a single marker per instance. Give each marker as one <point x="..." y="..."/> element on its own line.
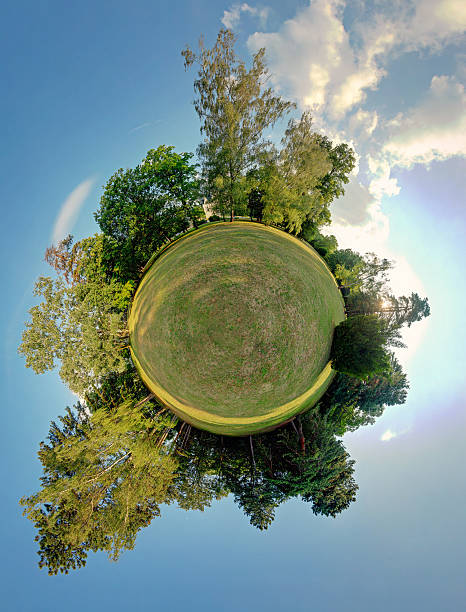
<point x="78" y="326"/>
<point x="368" y="273"/>
<point x="396" y="311"/>
<point x="104" y="478"/>
<point x="294" y="186"/>
<point x="322" y="472"/>
<point x="351" y="402"/>
<point x="116" y="388"/>
<point x="255" y="204"/>
<point x="342" y="162"/>
<point x="81" y="322"/>
<point x="144" y="207"/>
<point x="291" y="194"/>
<point x="345" y="258"/>
<point x="235" y="107"/>
<point x="360" y="346"/>
<point x="240" y="167"/>
<point x="324" y="245"/>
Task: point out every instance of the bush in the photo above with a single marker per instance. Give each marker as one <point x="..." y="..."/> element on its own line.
<point x="360" y="346"/>
<point x="215" y="218"/>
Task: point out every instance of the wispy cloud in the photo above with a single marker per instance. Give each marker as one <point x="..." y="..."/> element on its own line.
<point x="232" y="16"/>
<point x="141" y="126"/>
<point x="69" y="210"/>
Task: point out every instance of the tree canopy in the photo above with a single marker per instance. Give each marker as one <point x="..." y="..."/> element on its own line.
<point x="235" y="106"/>
<point x="81" y="322"/>
<point x="360" y="346"/>
<point x="291" y="195"/>
<point x="143" y="207"/>
<point x="239" y="165"/>
<point x="103" y="480"/>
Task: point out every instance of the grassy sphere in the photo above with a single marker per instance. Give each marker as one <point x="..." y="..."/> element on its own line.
<point x="232" y="324"/>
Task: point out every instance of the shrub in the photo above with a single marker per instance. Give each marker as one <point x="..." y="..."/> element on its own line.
<point x="360" y="346"/>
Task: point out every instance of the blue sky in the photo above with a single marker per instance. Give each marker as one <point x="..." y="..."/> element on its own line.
<point x="88" y="88"/>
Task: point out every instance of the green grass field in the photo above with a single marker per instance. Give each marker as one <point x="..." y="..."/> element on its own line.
<point x="231" y="327"/>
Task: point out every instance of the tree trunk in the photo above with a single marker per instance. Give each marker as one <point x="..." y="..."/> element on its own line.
<point x="301" y="437"/>
<point x="253" y="461"/>
<point x="146" y="399"/>
<point x="294" y="427"/>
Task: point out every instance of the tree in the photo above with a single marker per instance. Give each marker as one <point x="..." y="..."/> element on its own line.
<point x="305" y="461"/>
<point x="116" y="388"/>
<point x="81" y="321"/>
<point x="368" y="274"/>
<point x="298" y="182"/>
<point x="396" y="311"/>
<point x="144" y="207"/>
<point x="404" y="309"/>
<point x="359" y="346"/>
<point x="104" y="478"/>
<point x="342" y="161"/>
<point x="106" y="474"/>
<point x="235" y="107"/>
<point x="321" y="472"/>
<point x="324" y="245"/>
<point x="78" y="327"/>
<point x="387" y="389"/>
<point x="255" y="204"/>
<point x="346" y="258"/>
<point x="197" y="482"/>
<point x="291" y="194"/>
<point x="350" y="402"/>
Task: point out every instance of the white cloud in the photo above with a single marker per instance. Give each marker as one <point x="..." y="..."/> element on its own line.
<point x="69" y="210"/>
<point x="354" y="207"/>
<point x="433" y="23"/>
<point x="232" y="16"/>
<point x="309" y="53"/>
<point x="312" y="56"/>
<point x="368" y="236"/>
<point x="319" y="77"/>
<point x="381" y="183"/>
<point x="363" y="123"/>
<point x="434" y="130"/>
<point x="326" y="67"/>
<point x="390" y="434"/>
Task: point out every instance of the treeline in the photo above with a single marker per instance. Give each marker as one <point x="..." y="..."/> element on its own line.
<point x="363" y="343"/>
<point x="105" y="476"/>
<point x="112" y="461"/>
